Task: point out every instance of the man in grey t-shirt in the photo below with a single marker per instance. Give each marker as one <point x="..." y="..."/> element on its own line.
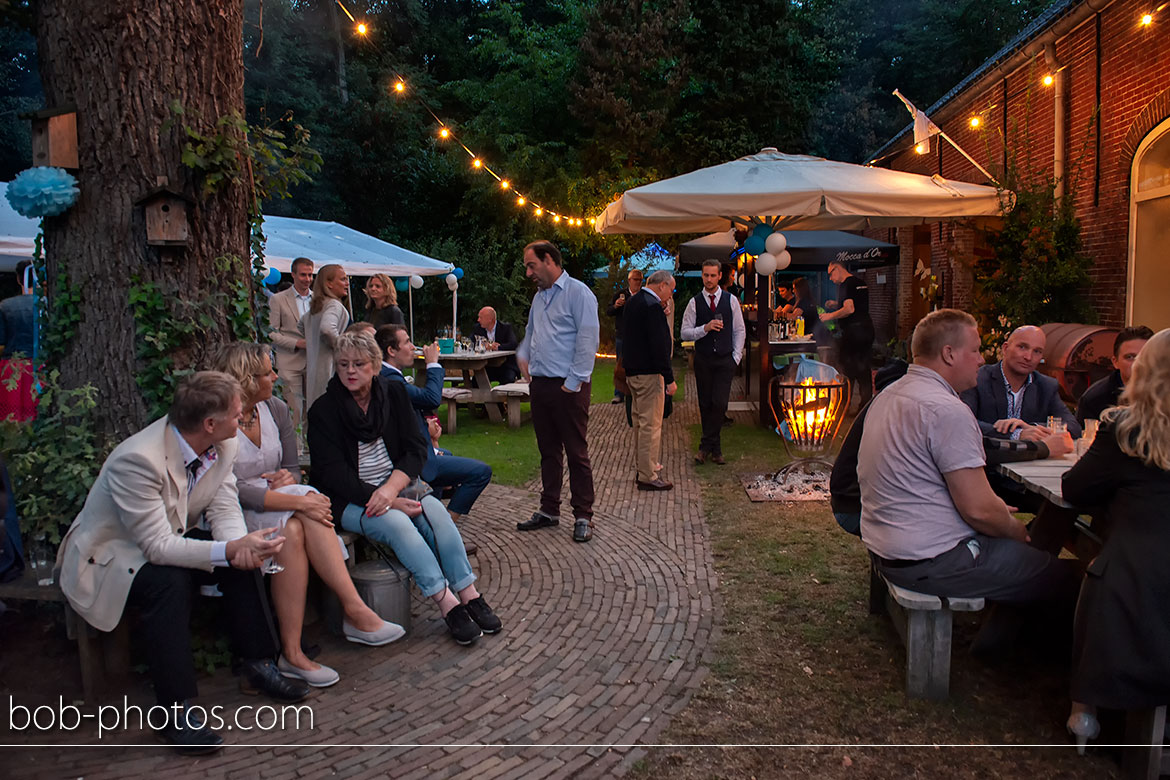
<point x="928" y="514"/>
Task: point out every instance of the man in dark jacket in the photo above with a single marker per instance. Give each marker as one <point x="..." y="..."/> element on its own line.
<point x="467" y="476"/>
<point x="1105" y="392"/>
<point x="649" y="374"/>
<point x="1011" y="399"/>
<point x="617" y="310"/>
<point x="499" y="335"/>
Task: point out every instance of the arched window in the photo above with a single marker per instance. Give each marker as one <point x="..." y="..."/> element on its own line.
<point x="1148" y="302"/>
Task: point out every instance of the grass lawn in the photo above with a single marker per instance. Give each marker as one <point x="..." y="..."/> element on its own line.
<point x="512" y="454"/>
<point x="801" y="662"/>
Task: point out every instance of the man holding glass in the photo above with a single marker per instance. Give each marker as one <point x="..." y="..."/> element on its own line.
<point x="138" y="542"/>
<point x="714" y="321"/>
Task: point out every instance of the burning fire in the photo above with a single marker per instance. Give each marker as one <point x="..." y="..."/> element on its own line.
<point x="811" y="411"/>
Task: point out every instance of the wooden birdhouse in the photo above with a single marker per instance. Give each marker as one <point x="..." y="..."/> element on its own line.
<point x="166" y="217"/>
<point x="54" y="137"/>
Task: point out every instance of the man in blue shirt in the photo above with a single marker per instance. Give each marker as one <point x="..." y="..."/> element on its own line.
<point x="467" y="476"/>
<point x="557" y="354"/>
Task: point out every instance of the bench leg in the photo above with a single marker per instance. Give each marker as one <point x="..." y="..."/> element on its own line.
<point x="451" y="409"/>
<point x="513" y="411"/>
<point x="928" y="654"/>
<point x="1144" y="731"/>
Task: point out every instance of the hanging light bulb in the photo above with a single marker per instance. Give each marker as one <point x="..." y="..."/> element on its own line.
<point x="504" y="184"/>
<point x="556" y="218"/>
<point x="1047" y="79"/>
<point x="520" y="200"/>
<point x="920" y="148"/>
<point x="1147" y="20"/>
<point x="362" y="29"/>
<point x="975" y="122"/>
<point x="539" y="211"/>
<point x="444" y="133"/>
<point x="400" y="86"/>
<point x="477" y="163"/>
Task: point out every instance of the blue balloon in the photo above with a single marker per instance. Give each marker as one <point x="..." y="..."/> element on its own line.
<point x="273" y="277"/>
<point x="401" y="284"/>
<point x="763" y="231"/>
<point x="458" y="273"/>
<point x="754" y="245"/>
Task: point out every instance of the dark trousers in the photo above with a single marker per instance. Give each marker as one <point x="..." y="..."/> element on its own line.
<point x="560" y="420"/>
<point x="617" y="352"/>
<point x="163" y="597"/>
<point x="467" y="476"/>
<point x="713" y="375"/>
<point x="855" y="356"/>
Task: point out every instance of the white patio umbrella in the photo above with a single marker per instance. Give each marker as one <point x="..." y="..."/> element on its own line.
<point x="793" y="192"/>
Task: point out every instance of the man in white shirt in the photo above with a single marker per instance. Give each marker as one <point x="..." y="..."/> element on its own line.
<point x="285" y="310"/>
<point x="718" y="350"/>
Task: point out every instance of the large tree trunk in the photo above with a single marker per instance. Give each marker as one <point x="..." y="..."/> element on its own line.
<point x="121" y="63"/>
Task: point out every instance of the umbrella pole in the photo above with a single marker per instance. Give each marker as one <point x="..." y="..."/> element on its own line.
<point x="454" y="312"/>
<point x="410" y="305"/>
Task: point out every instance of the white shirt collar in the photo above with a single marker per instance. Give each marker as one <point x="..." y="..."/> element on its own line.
<point x="392" y="368"/>
<point x="651" y="292"/>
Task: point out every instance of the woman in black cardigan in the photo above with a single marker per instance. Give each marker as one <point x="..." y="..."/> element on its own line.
<point x="1121" y="637"/>
<point x="366" y="448"/>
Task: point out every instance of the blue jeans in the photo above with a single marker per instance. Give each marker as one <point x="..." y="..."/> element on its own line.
<point x="467" y="475"/>
<point x="429" y="545"/>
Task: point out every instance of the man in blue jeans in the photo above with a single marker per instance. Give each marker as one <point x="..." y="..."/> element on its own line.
<point x="467" y="476"/>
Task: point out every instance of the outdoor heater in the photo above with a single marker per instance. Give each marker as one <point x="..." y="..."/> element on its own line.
<point x="812" y="412"/>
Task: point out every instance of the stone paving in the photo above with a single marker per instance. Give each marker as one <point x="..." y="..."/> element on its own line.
<point x="602" y="643"/>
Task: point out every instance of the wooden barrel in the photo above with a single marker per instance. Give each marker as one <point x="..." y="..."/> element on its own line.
<point x="1077" y="355"/>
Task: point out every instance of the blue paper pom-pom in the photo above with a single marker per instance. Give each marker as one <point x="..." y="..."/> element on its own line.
<point x="42" y="192"/>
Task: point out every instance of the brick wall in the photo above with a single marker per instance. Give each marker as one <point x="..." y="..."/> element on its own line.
<point x="1135" y="97"/>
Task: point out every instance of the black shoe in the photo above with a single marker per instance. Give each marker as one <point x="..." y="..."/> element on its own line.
<point x="718" y="459"/>
<point x="261" y="675"/>
<point x="582" y="530"/>
<point x="464" y="629"/>
<point x="538" y="520"/>
<point x="654" y="484"/>
<point x="189" y="733"/>
<point x="617" y="399"/>
<point x="483" y="616"/>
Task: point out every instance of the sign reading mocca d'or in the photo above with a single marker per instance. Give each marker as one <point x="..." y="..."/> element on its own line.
<point x="873" y="253"/>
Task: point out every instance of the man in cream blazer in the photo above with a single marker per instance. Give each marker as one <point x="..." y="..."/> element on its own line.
<point x="285" y="310"/>
<point x="137" y="543"/>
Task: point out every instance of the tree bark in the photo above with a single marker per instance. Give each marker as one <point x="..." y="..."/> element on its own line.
<point x="342" y="84"/>
<point x="121" y="63"/>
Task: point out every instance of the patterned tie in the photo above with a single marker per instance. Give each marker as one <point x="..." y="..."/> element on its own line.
<point x="193" y="473"/>
<point x="712" y="297"/>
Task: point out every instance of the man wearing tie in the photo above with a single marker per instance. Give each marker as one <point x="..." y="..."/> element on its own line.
<point x="718" y="350"/>
<point x="137" y="543"/>
<point x="285" y="310"/>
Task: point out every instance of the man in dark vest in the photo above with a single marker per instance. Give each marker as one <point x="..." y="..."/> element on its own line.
<point x="714" y="321"/>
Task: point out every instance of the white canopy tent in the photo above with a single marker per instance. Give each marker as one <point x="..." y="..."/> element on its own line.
<point x="794" y="192"/>
<point x="287" y="238"/>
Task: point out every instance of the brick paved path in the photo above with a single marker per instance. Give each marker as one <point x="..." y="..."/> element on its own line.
<point x="602" y="643"/>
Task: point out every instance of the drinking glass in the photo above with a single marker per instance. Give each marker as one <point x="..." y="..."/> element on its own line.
<point x="270" y="566"/>
<point x="1056" y="424"/>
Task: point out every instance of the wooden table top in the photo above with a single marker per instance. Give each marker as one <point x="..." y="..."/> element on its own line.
<point x="1041" y="476"/>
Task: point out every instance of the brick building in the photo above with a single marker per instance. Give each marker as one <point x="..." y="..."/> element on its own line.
<point x="1100" y="123"/>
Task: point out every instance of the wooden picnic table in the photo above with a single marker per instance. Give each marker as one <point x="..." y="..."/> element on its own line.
<point x="1056" y="525"/>
<point x="475" y="365"/>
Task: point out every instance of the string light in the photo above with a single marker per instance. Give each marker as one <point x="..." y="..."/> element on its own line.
<point x="920" y="148"/>
<point x="446" y="133"/>
<point x="975" y="122"/>
<point x="1147" y="20"/>
<point x="1047" y="79"/>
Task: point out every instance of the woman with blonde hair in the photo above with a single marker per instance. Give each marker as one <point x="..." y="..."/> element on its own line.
<point x="1121" y="635"/>
<point x="382" y="302"/>
<point x="271" y="495"/>
<point x="325" y="321"/>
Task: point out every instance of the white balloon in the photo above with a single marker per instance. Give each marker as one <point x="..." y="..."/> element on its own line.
<point x="766" y="264"/>
<point x="775" y="243"/>
<point x="451" y="279"/>
<point x="454" y="286"/>
<point x="783" y="260"/>
<point x="416" y="281"/>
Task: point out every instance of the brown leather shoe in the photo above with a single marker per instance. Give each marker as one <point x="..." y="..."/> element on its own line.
<point x="718" y="459"/>
<point x="657" y="484"/>
<point x="700" y="457"/>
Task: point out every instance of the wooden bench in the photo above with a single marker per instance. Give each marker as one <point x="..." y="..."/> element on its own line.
<point x="923" y="623"/>
<point x="453" y="397"/>
<point x="104" y="657"/>
<point x="513" y="394"/>
<point x="1142" y="757"/>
